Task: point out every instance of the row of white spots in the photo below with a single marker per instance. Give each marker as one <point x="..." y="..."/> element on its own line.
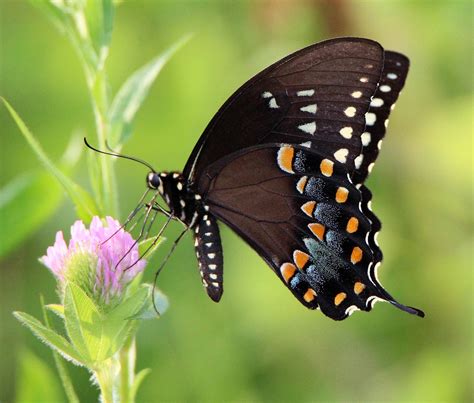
<point x="272" y="103"/>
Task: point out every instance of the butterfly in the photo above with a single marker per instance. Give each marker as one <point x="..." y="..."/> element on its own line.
<point x="283" y="163"/>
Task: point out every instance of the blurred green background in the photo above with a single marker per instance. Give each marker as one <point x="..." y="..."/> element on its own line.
<point x="259" y="344"/>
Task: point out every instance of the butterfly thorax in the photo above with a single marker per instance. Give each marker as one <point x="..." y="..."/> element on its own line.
<point x="183" y="204"/>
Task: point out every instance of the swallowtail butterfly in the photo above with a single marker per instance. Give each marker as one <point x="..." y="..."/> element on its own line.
<point x="283" y="164"/>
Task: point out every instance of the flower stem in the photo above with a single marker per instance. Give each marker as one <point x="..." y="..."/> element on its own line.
<point x="127" y="365"/>
<point x="106" y="377"/>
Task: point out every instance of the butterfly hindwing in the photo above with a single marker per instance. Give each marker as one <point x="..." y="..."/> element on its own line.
<point x="317" y="96"/>
<point x="302" y="214"/>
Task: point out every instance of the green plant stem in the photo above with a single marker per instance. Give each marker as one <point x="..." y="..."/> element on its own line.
<point x="97" y="84"/>
<point x="127" y="370"/>
<point x="105" y="375"/>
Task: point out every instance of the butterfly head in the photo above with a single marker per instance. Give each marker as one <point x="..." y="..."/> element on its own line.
<point x="154" y="181"/>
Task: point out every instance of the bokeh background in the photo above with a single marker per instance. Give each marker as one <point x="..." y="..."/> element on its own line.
<point x="258" y="344"/>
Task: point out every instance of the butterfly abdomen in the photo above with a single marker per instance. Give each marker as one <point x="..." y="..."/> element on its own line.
<point x="207" y="243"/>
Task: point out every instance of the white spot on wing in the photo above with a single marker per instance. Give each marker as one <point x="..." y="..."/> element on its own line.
<point x="379" y="145"/>
<point x="305" y="93"/>
<point x="310" y="108"/>
<point x="392" y="76"/>
<point x="385" y="88"/>
<point x="346" y="132"/>
<point x="365" y="138"/>
<point x="356" y="94"/>
<point x="364" y="80"/>
<point x="308" y="127"/>
<point x="370" y="118"/>
<point x="376" y="102"/>
<point x="358" y="161"/>
<point x="273" y="103"/>
<point x="211" y="255"/>
<point x="306" y="144"/>
<point x="341" y="155"/>
<point x="350" y="111"/>
<point x="267" y="94"/>
<point x="369" y="168"/>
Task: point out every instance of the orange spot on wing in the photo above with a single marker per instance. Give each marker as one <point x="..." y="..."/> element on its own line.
<point x="339" y="298"/>
<point x="309" y="295"/>
<point x="308" y="208"/>
<point x="356" y="255"/>
<point x="287" y="271"/>
<point x="300" y="258"/>
<point x="301" y="184"/>
<point x="352" y="225"/>
<point x="285" y="158"/>
<point x="317" y="229"/>
<point x="341" y="194"/>
<point x="326" y="167"/>
<point x="359" y="287"/>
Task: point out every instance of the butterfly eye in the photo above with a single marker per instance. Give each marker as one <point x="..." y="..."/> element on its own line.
<point x="153" y="180"/>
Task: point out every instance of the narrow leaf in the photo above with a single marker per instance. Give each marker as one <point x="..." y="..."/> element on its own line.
<point x="38" y="194"/>
<point x="85" y="205"/>
<point x="132" y="94"/>
<point x="50" y="337"/>
<point x="34" y="193"/>
<point x="137" y="382"/>
<point x="60" y="366"/>
<point x="57" y="309"/>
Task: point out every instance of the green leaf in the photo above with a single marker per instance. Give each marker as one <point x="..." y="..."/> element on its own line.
<point x="32" y="377"/>
<point x="60" y="365"/>
<point x="83" y="322"/>
<point x="84" y="203"/>
<point x="130" y="306"/>
<point x="35" y="194"/>
<point x="50" y="337"/>
<point x="38" y="194"/>
<point x="99" y="15"/>
<point x="148" y="243"/>
<point x="148" y="310"/>
<point x="133" y="92"/>
<point x="57" y="309"/>
<point x="137" y="382"/>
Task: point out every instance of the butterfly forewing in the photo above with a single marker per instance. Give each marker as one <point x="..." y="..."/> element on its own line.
<point x="317" y="96"/>
<point x="393" y="78"/>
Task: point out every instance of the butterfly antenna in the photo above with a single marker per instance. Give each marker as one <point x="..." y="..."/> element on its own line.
<point x="114" y="154"/>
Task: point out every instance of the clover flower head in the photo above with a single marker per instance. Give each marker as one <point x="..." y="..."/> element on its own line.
<point x="103" y="259"/>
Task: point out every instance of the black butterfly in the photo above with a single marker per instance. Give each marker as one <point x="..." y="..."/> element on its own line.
<point x="283" y="163"/>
